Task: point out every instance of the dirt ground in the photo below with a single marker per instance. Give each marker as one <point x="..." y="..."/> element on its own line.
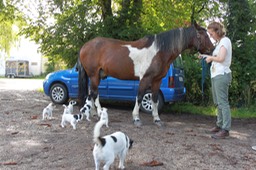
<point x="28" y="143"/>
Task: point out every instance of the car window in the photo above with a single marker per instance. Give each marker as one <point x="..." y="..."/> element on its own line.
<point x="178" y="63"/>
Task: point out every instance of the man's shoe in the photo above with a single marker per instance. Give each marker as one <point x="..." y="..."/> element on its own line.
<point x="213" y="130"/>
<point x="221" y="134"/>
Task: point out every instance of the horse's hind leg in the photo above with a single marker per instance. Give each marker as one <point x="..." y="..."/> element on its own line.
<point x="135" y="113"/>
<point x="95" y="95"/>
<point x="155" y="91"/>
<point x="98" y="106"/>
<point x="144" y="84"/>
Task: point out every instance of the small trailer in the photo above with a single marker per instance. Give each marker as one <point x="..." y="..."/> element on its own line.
<point x="17" y="68"/>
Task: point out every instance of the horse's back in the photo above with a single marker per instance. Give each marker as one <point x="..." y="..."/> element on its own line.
<point x="100" y="42"/>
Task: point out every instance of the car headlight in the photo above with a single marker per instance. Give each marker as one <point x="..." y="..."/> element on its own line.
<point x="47" y="76"/>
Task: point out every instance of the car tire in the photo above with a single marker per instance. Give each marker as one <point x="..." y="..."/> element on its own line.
<point x="59" y="94"/>
<point x="146" y="103"/>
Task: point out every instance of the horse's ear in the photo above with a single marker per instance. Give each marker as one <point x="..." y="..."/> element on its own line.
<point x="196" y="25"/>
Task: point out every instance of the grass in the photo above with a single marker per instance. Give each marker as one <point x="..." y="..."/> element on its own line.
<point x="210" y="110"/>
<point x="34" y="77"/>
<point x="40" y="90"/>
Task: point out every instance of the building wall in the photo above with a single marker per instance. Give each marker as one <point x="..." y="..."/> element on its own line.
<point x="25" y="50"/>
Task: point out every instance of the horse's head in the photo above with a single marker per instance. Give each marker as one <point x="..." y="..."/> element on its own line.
<point x="202" y="41"/>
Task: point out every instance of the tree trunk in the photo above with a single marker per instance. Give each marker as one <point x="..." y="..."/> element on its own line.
<point x="106" y="8"/>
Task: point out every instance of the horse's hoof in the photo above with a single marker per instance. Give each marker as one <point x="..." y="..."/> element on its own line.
<point x="159" y="123"/>
<point x="137" y="123"/>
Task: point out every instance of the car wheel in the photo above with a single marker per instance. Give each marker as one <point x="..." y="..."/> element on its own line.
<point x="59" y="94"/>
<point x="146" y="103"/>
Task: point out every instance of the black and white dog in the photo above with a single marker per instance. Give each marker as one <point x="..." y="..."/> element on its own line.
<point x="70" y="118"/>
<point x="107" y="147"/>
<point x="86" y="109"/>
<point x="104" y="115"/>
<point x="71" y="105"/>
<point x="47" y="112"/>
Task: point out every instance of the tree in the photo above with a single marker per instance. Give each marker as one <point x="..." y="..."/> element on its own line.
<point x="78" y="21"/>
<point x="241" y="30"/>
<point x="9" y="17"/>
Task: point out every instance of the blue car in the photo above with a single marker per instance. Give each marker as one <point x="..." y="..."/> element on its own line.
<point x="63" y="85"/>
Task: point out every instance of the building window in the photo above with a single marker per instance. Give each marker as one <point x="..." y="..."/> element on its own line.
<point x="34" y="63"/>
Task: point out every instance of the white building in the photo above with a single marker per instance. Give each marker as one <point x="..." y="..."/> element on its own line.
<point x="26" y="50"/>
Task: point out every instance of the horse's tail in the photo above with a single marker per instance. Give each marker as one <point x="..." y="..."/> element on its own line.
<point x="82" y="82"/>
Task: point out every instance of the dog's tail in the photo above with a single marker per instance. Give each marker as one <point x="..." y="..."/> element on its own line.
<point x="96" y="135"/>
<point x="66" y="110"/>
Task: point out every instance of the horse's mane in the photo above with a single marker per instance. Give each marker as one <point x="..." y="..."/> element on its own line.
<point x="173" y="40"/>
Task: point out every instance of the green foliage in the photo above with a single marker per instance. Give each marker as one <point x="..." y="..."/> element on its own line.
<point x="9" y="16"/>
<point x="241" y="30"/>
<point x="188" y="108"/>
<point x="193" y="80"/>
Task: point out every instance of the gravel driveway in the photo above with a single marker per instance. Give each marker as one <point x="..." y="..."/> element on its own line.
<point x="28" y="143"/>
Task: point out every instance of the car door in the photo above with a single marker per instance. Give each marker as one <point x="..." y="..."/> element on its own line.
<point x="178" y="73"/>
<point x="119" y="89"/>
<point x="73" y="76"/>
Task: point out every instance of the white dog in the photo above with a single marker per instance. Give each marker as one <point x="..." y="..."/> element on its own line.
<point x="47" y="112"/>
<point x="71" y="106"/>
<point x="86" y="109"/>
<point x="107" y="147"/>
<point x="70" y="118"/>
<point x="104" y="115"/>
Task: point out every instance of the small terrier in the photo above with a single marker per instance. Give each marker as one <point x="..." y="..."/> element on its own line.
<point x="70" y="118"/>
<point x="106" y="148"/>
<point x="86" y="109"/>
<point x="71" y="106"/>
<point x="104" y="115"/>
<point x="47" y="112"/>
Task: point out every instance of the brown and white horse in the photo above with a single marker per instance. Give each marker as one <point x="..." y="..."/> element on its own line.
<point x="147" y="59"/>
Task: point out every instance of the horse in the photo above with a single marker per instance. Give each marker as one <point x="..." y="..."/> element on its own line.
<point x="147" y="59"/>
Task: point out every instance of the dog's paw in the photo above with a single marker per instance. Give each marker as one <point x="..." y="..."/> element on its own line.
<point x="121" y="167"/>
<point x="159" y="123"/>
